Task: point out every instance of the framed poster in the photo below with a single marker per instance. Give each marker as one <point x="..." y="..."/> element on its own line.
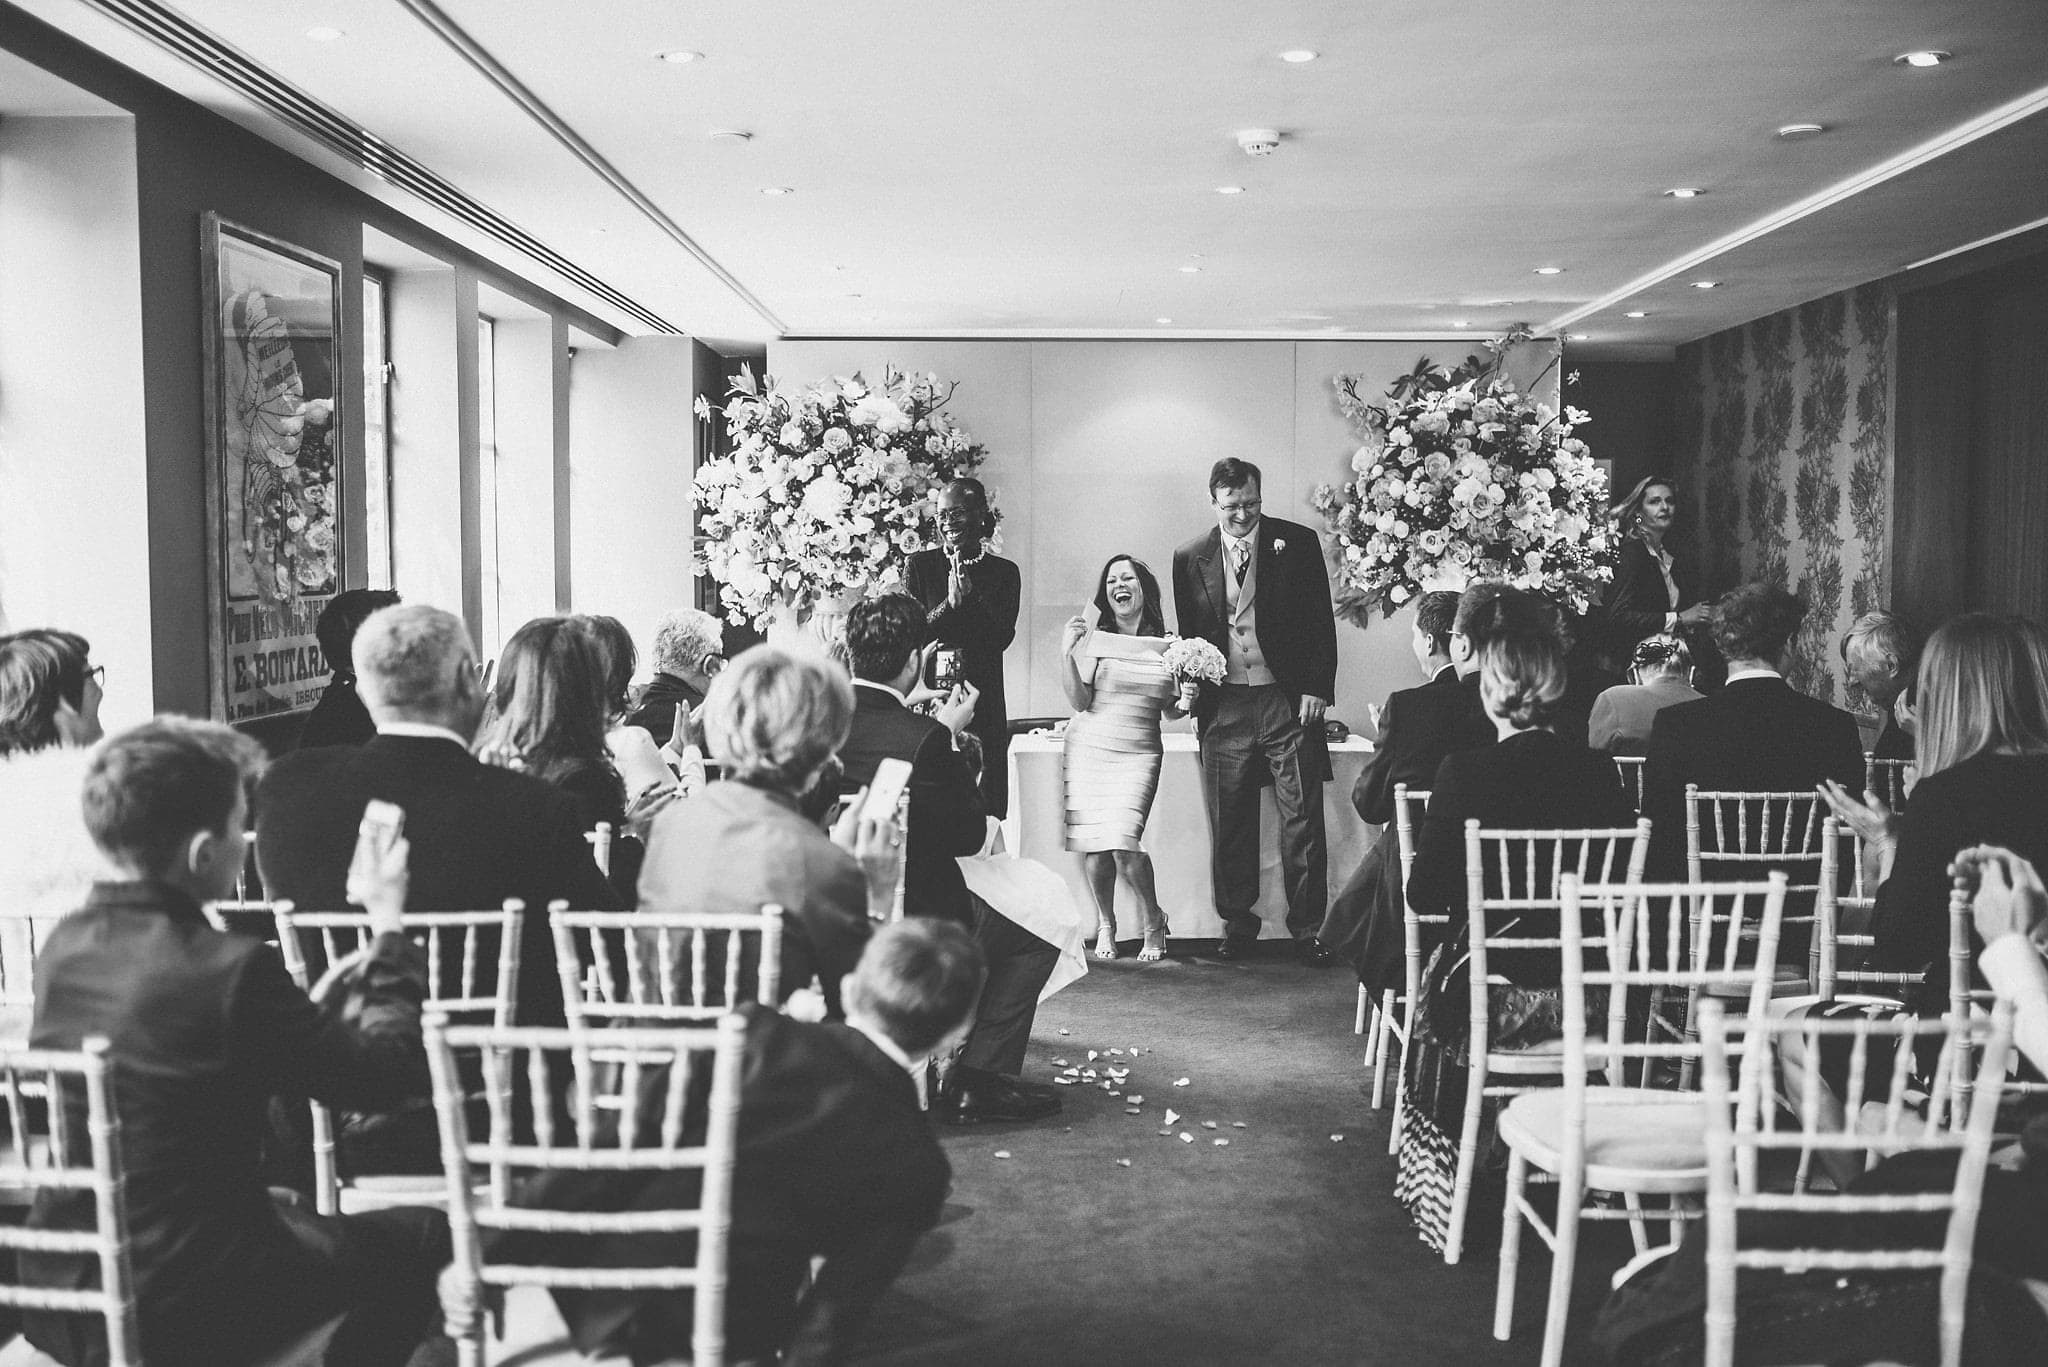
<point x="273" y="468"/>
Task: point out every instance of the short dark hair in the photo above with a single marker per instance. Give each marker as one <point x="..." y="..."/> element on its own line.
<point x="39" y="669"/>
<point x="336" y="628"/>
<point x="1494" y="607"/>
<point x="881" y="633"/>
<point x="1152" y="621"/>
<point x="621" y="657"/>
<point x="1232" y="473"/>
<point x="976" y="491"/>
<point x="918" y="979"/>
<point x="1753" y="621"/>
<point x="1435" y="616"/>
<point x="150" y="789"/>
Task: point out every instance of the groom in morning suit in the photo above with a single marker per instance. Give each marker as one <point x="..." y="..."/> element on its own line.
<point x="1256" y="588"/>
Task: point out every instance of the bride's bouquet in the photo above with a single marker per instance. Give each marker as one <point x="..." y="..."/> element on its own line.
<point x="1193" y="660"/>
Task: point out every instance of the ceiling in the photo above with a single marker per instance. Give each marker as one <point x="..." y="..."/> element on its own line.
<point x="1051" y="168"/>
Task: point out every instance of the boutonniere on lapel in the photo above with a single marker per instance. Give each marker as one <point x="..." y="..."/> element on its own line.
<point x="1279" y="544"/>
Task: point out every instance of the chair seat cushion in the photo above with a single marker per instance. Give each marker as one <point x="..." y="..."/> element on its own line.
<point x="1635" y="1140"/>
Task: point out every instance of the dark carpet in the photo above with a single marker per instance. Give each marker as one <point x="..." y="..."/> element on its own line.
<point x="1283" y="1246"/>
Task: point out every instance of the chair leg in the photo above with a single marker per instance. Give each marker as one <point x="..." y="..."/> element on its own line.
<point x="1564" y="1258"/>
<point x="1364" y="1001"/>
<point x="1639" y="1231"/>
<point x="1468" y="1162"/>
<point x="1510" y="1246"/>
<point x="1382" y="1045"/>
<point x="1401" y="1073"/>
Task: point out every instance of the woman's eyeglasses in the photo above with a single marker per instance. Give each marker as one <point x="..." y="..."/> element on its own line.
<point x="98" y="674"/>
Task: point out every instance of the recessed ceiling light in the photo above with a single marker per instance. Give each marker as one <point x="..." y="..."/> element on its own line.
<point x="1684" y="192"/>
<point x="1637" y="313"/>
<point x="1550" y="270"/>
<point x="1792" y="131"/>
<point x="1929" y="57"/>
<point x="1460" y="323"/>
<point x="680" y="56"/>
<point x="1576" y="337"/>
<point x="778" y="190"/>
<point x="1162" y="321"/>
<point x="1190" y="270"/>
<point x="324" y="34"/>
<point x="1230" y="189"/>
<point x="1706" y="284"/>
<point x="729" y="135"/>
<point x="1299" y="54"/>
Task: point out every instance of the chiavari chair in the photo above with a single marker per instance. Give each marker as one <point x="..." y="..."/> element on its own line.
<point x="1390" y="1016"/>
<point x="649" y="967"/>
<point x="1733" y="835"/>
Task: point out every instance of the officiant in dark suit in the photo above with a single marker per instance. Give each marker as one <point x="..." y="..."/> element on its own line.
<point x="1256" y="588"/>
<point x="970" y="598"/>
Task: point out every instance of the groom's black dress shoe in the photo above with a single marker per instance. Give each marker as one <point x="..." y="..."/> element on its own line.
<point x="981" y="1097"/>
<point x="1232" y="947"/>
<point x="1314" y="952"/>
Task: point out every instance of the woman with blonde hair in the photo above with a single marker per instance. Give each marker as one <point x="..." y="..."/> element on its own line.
<point x="1649" y="593"/>
<point x="1983" y="759"/>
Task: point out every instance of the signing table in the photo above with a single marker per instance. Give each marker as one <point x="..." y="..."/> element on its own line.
<point x="1177" y="835"/>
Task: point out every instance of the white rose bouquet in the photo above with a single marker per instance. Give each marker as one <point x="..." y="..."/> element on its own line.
<point x="824" y="493"/>
<point x="1462" y="478"/>
<point x="1193" y="660"/>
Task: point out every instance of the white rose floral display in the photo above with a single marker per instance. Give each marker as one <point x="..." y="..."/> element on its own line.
<point x="1463" y="477"/>
<point x="825" y="493"/>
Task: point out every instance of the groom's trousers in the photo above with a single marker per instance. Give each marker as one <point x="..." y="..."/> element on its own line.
<point x="1255" y="737"/>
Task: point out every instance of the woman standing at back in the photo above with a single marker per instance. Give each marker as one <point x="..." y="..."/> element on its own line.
<point x="49" y="720"/>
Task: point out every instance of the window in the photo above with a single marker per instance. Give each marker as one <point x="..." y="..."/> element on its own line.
<point x="376" y="434"/>
<point x="491" y="627"/>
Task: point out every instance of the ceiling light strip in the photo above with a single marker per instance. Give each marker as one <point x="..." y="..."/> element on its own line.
<point x="1980" y="242"/>
<point x="1962" y="135"/>
<point x="354" y="143"/>
<point x="513" y="89"/>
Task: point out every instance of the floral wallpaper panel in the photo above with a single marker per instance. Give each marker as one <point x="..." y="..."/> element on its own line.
<point x="1787" y="424"/>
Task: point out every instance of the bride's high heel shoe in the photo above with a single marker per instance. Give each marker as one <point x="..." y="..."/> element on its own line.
<point x="1155" y="941"/>
<point x="1105" y="940"/>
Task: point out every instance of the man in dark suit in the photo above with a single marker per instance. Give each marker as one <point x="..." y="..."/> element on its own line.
<point x="205" y="1027"/>
<point x="340" y="718"/>
<point x="1256" y="588"/>
<point x="884" y="641"/>
<point x="1757" y="734"/>
<point x="479" y="834"/>
<point x="835" y="1161"/>
<point x="970" y="598"/>
<point x="688" y="654"/>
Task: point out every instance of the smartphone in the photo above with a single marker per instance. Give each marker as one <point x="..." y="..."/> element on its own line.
<point x="946" y="670"/>
<point x="384" y="820"/>
<point x="892" y="779"/>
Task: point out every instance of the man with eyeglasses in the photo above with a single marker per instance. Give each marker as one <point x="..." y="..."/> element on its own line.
<point x="1256" y="588"/>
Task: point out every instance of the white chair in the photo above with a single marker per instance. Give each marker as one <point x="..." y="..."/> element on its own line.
<point x="631" y="1112"/>
<point x="1390" y="1016"/>
<point x="1734" y="835"/>
<point x="467" y="973"/>
<point x="21" y="941"/>
<point x="1890" y="779"/>
<point x="56" y="1159"/>
<point x="245" y="916"/>
<point x="651" y="968"/>
<point x="1744" y="1123"/>
<point x="1967" y="1001"/>
<point x="1630" y="768"/>
<point x="1631" y="1137"/>
<point x="1840" y="956"/>
<point x="1525" y="866"/>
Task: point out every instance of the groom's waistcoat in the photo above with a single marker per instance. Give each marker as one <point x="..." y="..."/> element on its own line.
<point x="1244" y="662"/>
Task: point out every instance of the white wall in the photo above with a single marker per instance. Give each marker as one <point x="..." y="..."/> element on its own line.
<point x="428" y="453"/>
<point x="1103" y="447"/>
<point x="532" y="381"/>
<point x="74" y="514"/>
<point x="630" y="436"/>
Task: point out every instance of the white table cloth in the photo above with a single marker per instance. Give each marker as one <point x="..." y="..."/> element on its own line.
<point x="1177" y="835"/>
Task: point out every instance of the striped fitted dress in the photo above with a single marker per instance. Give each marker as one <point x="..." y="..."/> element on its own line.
<point x="1113" y="753"/>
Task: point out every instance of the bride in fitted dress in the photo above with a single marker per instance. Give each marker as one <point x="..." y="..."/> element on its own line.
<point x="1116" y="679"/>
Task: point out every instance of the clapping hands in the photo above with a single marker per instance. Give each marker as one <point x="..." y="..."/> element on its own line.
<point x="2010" y="898"/>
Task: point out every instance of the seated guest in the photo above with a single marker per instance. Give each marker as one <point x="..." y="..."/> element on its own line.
<point x="479" y="833"/>
<point x="744" y="842"/>
<point x="1660" y="674"/>
<point x="1882" y="653"/>
<point x="835" y="1162"/>
<point x="49" y="717"/>
<point x="1420" y="726"/>
<point x="885" y="638"/>
<point x="205" y="1028"/>
<point x="549" y="715"/>
<point x="688" y="653"/>
<point x="340" y="718"/>
<point x="640" y="760"/>
<point x="1757" y="734"/>
<point x="1530" y="778"/>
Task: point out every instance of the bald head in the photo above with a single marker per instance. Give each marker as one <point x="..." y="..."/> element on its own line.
<point x="414" y="664"/>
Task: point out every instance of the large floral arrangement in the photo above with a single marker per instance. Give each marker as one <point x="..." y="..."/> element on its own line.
<point x="824" y="493"/>
<point x="1463" y="477"/>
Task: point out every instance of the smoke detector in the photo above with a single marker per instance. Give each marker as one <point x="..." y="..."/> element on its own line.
<point x="1259" y="142"/>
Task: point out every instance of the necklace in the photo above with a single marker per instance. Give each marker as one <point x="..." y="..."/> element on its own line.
<point x="963" y="562"/>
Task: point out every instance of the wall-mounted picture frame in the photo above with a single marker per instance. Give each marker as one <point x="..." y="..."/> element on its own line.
<point x="274" y="496"/>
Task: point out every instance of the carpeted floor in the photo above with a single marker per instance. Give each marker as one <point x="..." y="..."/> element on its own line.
<point x="1283" y="1246"/>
